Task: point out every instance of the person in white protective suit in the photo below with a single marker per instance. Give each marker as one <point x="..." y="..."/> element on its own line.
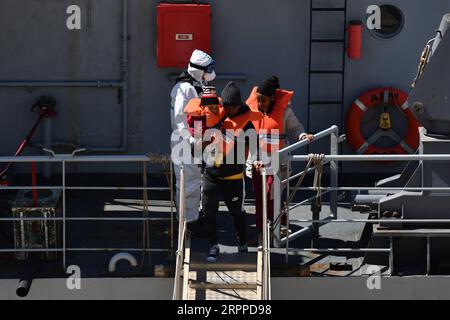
<point x="189" y="86"/>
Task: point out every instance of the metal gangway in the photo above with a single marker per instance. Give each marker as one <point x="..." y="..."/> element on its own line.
<point x="188" y="265"/>
<point x="247" y="276"/>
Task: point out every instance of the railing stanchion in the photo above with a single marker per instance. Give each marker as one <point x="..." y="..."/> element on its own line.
<point x="64" y="212"/>
<point x="266" y="235"/>
<point x="172" y="200"/>
<point x="334" y="173"/>
<point x="277" y="195"/>
<point x="288" y="207"/>
<point x="182" y="226"/>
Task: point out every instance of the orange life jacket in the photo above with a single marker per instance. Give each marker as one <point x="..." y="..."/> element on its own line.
<point x="273" y="121"/>
<point x="236" y="126"/>
<point x="195" y="109"/>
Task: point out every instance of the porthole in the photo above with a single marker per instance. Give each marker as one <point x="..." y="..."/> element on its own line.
<point x="392" y="22"/>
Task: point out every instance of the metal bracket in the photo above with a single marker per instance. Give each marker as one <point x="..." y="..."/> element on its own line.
<point x="51" y="152"/>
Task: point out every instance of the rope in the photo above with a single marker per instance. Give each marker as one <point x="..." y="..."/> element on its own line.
<point x="164" y="160"/>
<point x="318" y="160"/>
<point x="146" y="224"/>
<point x="314" y="160"/>
<point x="302" y="177"/>
<point x="158" y="158"/>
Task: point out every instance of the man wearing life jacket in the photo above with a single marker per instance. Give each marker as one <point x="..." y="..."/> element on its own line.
<point x="189" y="85"/>
<point x="225" y="179"/>
<point x="278" y="126"/>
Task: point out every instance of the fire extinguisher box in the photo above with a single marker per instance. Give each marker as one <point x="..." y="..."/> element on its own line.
<point x="182" y="28"/>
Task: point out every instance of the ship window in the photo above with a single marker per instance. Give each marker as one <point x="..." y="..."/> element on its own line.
<point x="392" y="22"/>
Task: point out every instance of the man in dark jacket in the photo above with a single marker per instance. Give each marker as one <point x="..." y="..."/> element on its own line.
<point x="225" y="179"/>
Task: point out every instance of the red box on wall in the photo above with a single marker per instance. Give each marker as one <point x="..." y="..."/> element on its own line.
<point x="182" y="28"/>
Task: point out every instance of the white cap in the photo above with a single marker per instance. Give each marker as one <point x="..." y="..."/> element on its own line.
<point x="201" y="59"/>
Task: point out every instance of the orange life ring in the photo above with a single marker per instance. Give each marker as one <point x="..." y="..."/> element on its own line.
<point x="372" y="99"/>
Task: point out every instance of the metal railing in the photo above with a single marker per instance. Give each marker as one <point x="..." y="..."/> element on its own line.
<point x="63" y="160"/>
<point x="182" y="234"/>
<point x="333" y="159"/>
<point x="266" y="283"/>
<point x="333" y="134"/>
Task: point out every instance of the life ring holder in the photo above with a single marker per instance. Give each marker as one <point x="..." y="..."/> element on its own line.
<point x="386" y="97"/>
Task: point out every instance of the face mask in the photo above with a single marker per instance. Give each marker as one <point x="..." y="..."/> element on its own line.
<point x="210" y="67"/>
<point x="210" y="76"/>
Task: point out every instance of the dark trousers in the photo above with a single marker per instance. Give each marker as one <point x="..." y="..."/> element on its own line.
<point x="232" y="192"/>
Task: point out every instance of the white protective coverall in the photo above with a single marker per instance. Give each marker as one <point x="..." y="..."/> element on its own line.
<point x="188" y="87"/>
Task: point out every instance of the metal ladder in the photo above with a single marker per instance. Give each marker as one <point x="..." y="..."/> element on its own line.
<point x="314" y="72"/>
<point x="233" y="277"/>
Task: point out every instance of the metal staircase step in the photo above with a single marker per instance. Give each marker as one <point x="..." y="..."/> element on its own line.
<point x="227" y="262"/>
<point x="328" y="9"/>
<point x="220" y="285"/>
<point x="198" y="285"/>
<point x="328" y="40"/>
<point x="327" y="72"/>
<point x="315" y="103"/>
<point x="225" y="294"/>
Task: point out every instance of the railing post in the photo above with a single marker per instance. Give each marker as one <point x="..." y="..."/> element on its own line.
<point x="267" y="266"/>
<point x="64" y="212"/>
<point x="288" y="207"/>
<point x="315" y="209"/>
<point x="172" y="211"/>
<point x="334" y="173"/>
<point x="276" y="208"/>
<point x="177" y="292"/>
<point x="266" y="234"/>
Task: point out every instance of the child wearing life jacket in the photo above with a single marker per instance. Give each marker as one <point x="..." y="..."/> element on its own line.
<point x="204" y="113"/>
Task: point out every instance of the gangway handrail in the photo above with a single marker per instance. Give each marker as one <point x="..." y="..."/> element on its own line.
<point x="335" y="140"/>
<point x="380" y="158"/>
<point x="266" y="277"/>
<point x="305" y="143"/>
<point x="182" y="233"/>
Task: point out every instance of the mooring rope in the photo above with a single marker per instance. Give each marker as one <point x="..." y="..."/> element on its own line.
<point x="317" y="161"/>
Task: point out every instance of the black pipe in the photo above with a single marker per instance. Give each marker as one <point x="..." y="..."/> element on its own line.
<point x="24" y="287"/>
<point x="28" y="274"/>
